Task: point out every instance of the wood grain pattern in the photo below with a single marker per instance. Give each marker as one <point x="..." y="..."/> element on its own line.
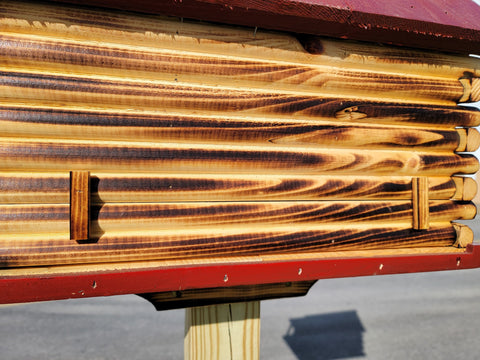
<point x="205" y="142"/>
<point x="160" y="64"/>
<point x="19" y="250"/>
<point x="79" y="205"/>
<point x="52" y="188"/>
<point x="65" y="123"/>
<point x="466" y="188"/>
<point x="169" y="95"/>
<point x="420" y="203"/>
<point x="211" y="158"/>
<point x="113" y="218"/>
<point x="227" y="331"/>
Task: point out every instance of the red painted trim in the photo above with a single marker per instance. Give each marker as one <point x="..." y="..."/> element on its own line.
<point x="451" y="26"/>
<point x="79" y="285"/>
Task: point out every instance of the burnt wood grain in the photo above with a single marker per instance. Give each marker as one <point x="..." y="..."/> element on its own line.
<point x="148" y="127"/>
<point x="213" y="158"/>
<point x="112" y="218"/>
<point x="22" y="188"/>
<point x="58" y="249"/>
<point x="205" y="141"/>
<point x="160" y="64"/>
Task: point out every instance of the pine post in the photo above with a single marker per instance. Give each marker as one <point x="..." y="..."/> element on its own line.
<point x="220" y="332"/>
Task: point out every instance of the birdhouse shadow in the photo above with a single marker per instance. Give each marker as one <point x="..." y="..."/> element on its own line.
<point x="326" y="336"/>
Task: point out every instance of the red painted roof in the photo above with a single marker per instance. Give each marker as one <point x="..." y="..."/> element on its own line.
<point x="446" y="25"/>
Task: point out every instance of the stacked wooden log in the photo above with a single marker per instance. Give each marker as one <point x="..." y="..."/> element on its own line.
<point x="203" y="141"/>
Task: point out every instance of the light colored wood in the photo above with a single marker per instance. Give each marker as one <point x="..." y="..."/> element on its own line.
<point x="470" y="188"/>
<point x="462" y="143"/>
<point x="421" y="208"/>
<point x="223" y="332"/>
<point x="467" y="89"/>
<point x="475" y="94"/>
<point x="465" y="235"/>
<point x="79" y="209"/>
<point x="473" y="140"/>
<point x="466" y="188"/>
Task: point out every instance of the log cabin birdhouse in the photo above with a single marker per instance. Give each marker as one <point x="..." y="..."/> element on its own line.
<point x="199" y="152"/>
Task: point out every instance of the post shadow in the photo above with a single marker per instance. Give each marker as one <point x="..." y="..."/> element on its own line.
<point x="326" y="336"/>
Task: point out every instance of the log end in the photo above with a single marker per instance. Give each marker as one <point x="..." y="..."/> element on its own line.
<point x="464" y="235"/>
<point x="470" y="188"/>
<point x="473" y="140"/>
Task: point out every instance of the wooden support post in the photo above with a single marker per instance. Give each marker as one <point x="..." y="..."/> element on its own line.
<point x="221" y="332"/>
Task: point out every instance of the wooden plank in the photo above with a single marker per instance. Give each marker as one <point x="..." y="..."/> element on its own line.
<point x="452" y="27"/>
<point x="218" y="332"/>
<point x="79" y="209"/>
<point x="49" y="155"/>
<point x="161" y="127"/>
<point x="113" y="218"/>
<point x="40" y="88"/>
<point x="203" y="297"/>
<point x="19" y="250"/>
<point x="52" y="188"/>
<point x="47" y="118"/>
<point x="90" y="59"/>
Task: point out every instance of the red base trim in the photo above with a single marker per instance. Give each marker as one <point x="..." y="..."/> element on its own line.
<point x="42" y="288"/>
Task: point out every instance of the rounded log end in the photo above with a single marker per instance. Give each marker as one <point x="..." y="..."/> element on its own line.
<point x="470" y="188"/>
<point x="475" y="90"/>
<point x="464" y="235"/>
<point x="473" y="140"/>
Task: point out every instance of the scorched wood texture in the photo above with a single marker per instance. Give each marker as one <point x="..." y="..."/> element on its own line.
<point x="136" y="138"/>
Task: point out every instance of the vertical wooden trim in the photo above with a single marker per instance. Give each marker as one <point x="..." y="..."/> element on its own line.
<point x="420" y="203"/>
<point x="79" y="205"/>
<point x="223" y="332"/>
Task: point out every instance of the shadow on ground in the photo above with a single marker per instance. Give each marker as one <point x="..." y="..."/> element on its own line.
<point x="326" y="336"/>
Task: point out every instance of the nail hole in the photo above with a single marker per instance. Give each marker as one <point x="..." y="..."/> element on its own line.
<point x="225" y="278"/>
<point x="300" y="270"/>
<point x="94" y="285"/>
